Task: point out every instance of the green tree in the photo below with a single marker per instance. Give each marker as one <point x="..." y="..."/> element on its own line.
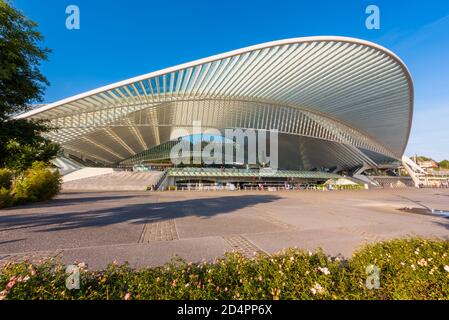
<point x="444" y="164"/>
<point x="422" y="158"/>
<point x="21" y="84"/>
<point x="21" y="156"/>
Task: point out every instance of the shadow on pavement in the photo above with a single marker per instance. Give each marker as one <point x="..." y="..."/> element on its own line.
<point x="132" y="213"/>
<point x="67" y="201"/>
<point x="444" y="225"/>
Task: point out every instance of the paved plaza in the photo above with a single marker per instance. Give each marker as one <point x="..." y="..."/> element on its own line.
<point x="148" y="229"/>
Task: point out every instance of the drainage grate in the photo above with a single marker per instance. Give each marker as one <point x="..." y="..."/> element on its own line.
<point x="277" y="222"/>
<point x="242" y="245"/>
<point x="159" y="231"/>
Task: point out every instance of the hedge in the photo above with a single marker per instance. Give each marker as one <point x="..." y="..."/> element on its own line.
<point x="408" y="269"/>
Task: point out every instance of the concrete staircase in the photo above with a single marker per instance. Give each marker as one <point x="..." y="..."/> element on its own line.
<point x="114" y="181"/>
<point x="86" y="172"/>
<point x="394" y="182"/>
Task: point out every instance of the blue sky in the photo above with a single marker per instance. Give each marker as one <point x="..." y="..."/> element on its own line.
<point x="120" y="39"/>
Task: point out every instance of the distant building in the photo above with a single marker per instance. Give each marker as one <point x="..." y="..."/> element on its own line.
<point x="428" y="165"/>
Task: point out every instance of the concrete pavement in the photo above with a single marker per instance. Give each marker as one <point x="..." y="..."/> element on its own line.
<point x="148" y="229"/>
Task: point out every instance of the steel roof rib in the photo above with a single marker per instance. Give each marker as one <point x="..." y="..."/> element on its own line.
<point x="313" y="86"/>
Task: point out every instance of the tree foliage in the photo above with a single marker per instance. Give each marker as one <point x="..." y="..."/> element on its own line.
<point x="20" y="156"/>
<point x="444" y="164"/>
<point x="21" y="81"/>
<point x="21" y="84"/>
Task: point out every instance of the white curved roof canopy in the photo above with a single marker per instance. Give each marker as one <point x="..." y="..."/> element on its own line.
<point x="334" y="88"/>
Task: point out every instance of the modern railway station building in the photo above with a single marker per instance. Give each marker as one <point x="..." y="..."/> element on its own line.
<point x="338" y="105"/>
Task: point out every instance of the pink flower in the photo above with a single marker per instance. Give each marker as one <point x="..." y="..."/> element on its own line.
<point x="127" y="296"/>
<point x="11" y="284"/>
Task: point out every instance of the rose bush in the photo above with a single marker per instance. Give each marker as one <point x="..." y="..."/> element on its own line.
<point x="290" y="274"/>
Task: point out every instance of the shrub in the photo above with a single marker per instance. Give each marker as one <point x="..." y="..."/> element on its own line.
<point x="6" y="199"/>
<point x="5" y="178"/>
<point x="409" y="269"/>
<point x="38" y="183"/>
<point x="291" y="274"/>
